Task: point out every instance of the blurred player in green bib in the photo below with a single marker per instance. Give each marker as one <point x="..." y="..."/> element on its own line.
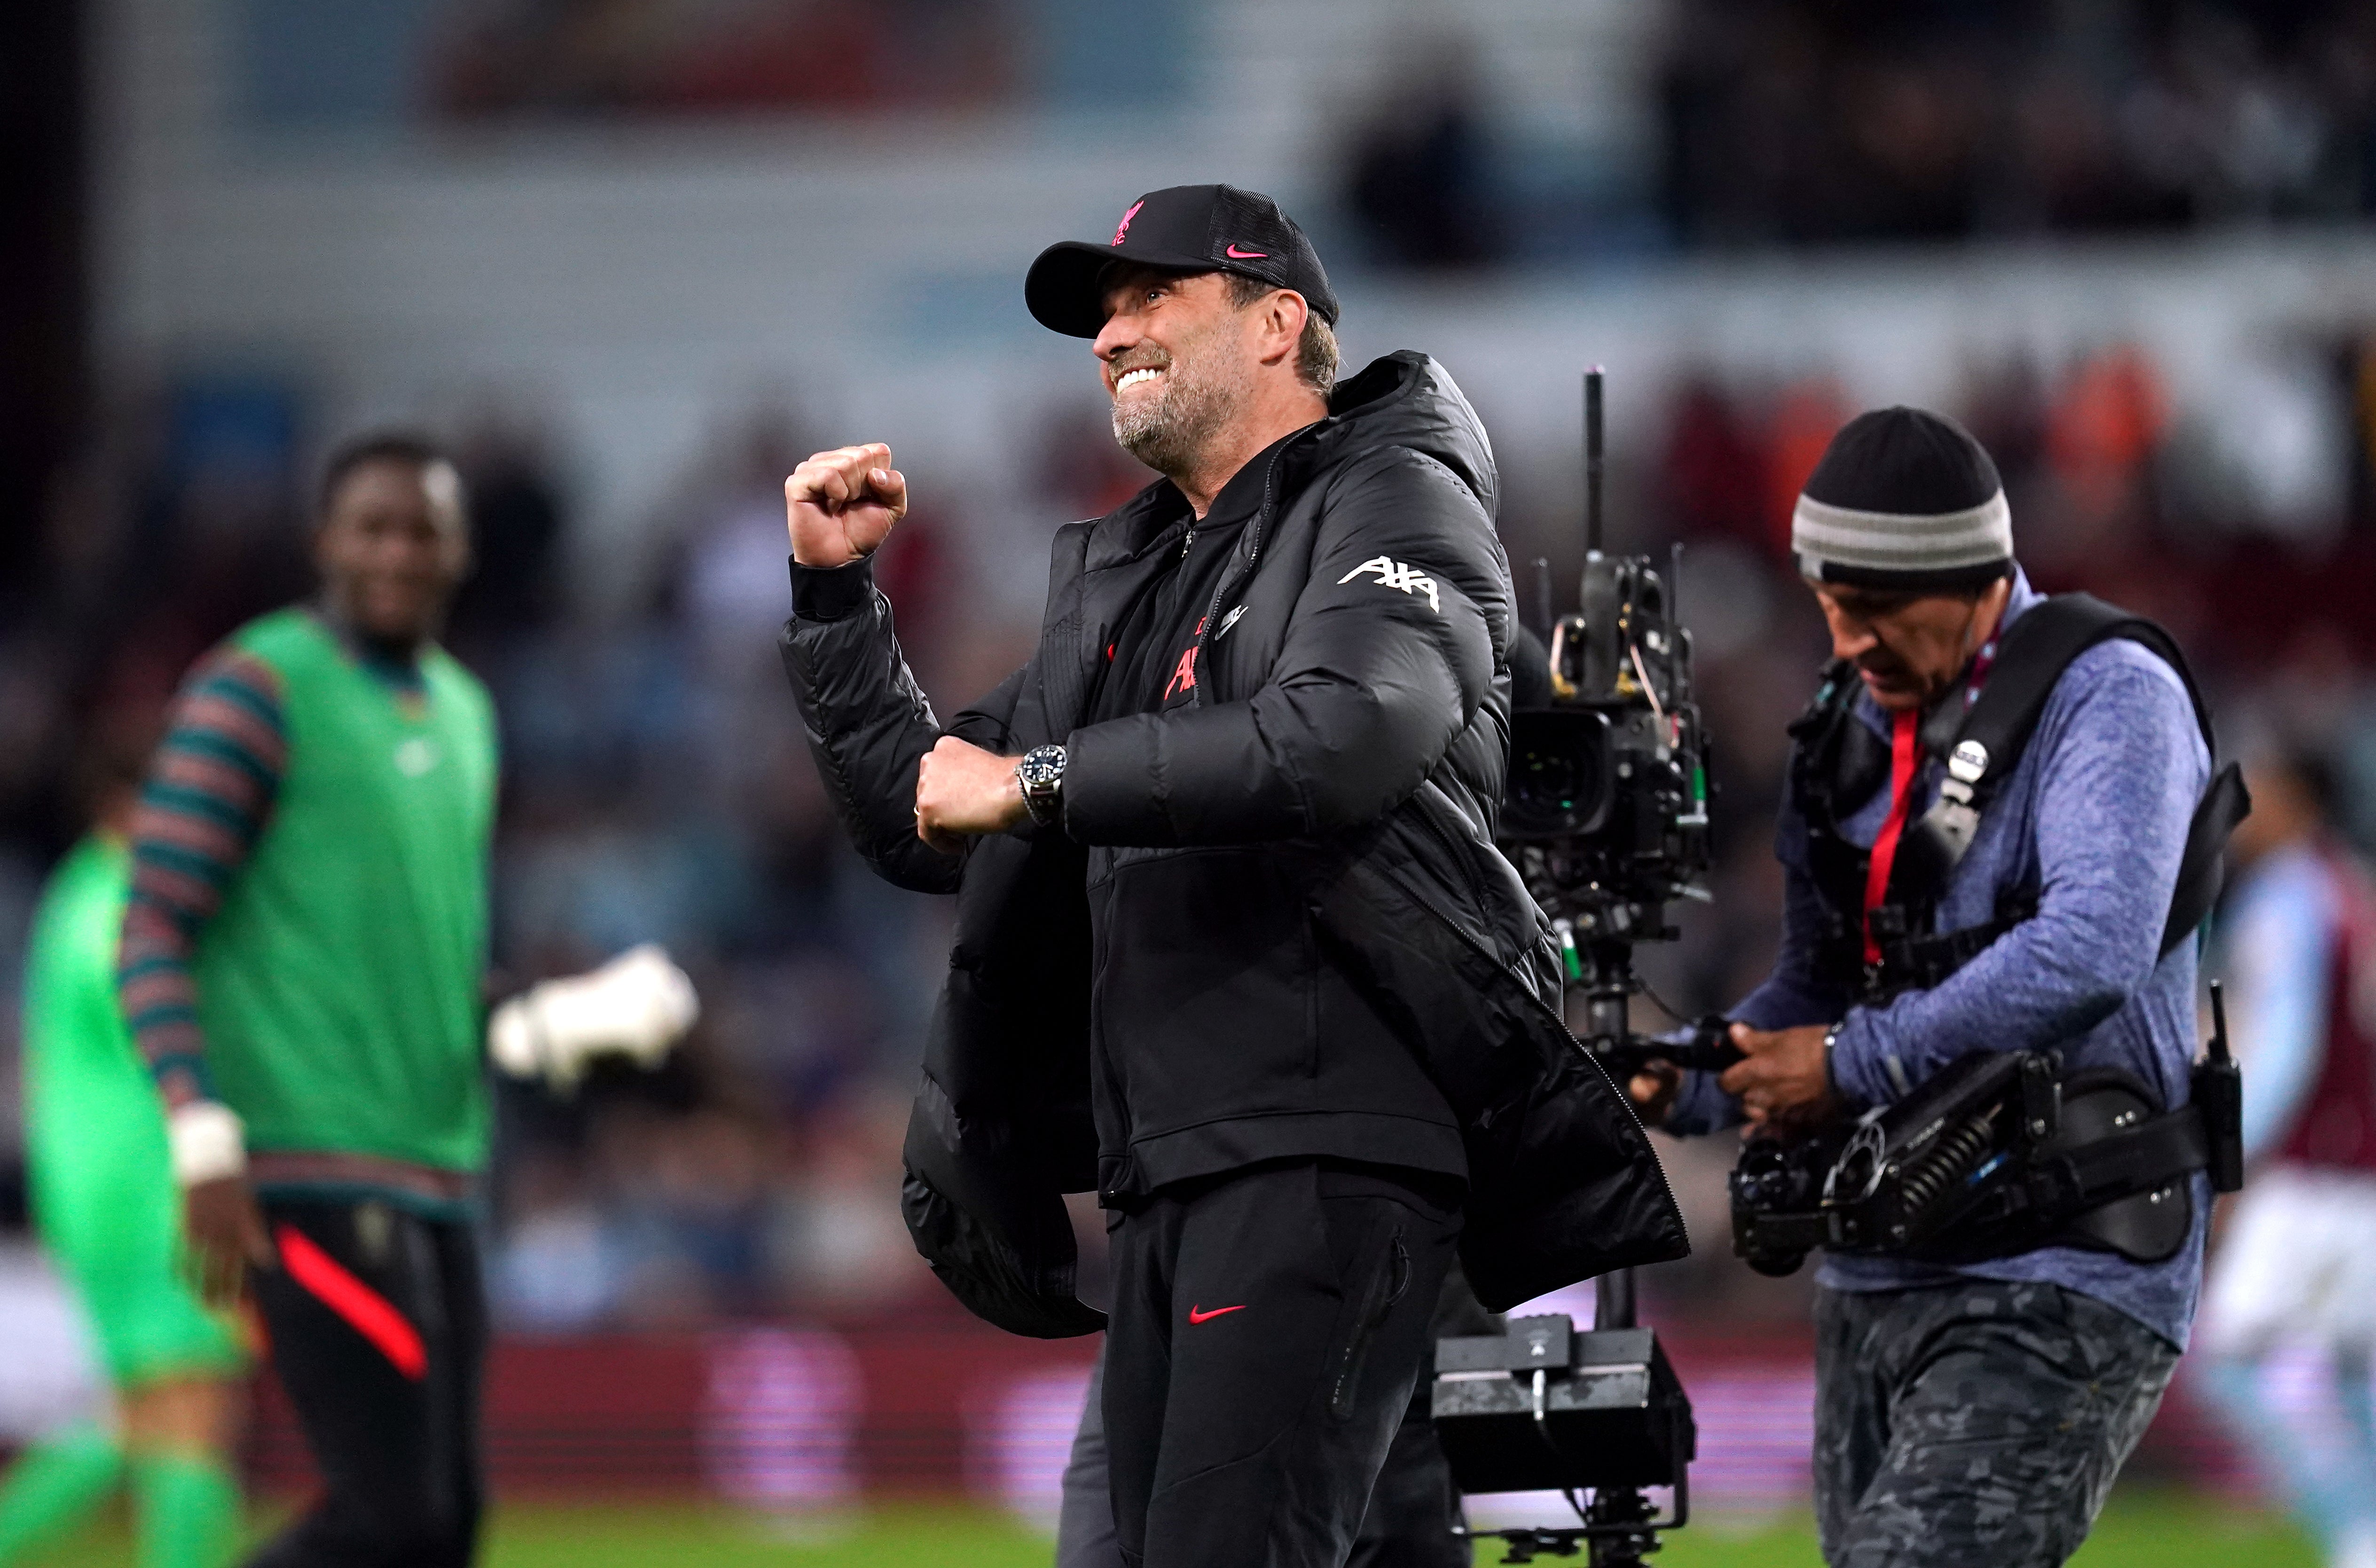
<point x="303" y="967"/>
<point x="107" y="1211"/>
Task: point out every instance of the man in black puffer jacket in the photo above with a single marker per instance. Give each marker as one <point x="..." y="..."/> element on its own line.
<point x="1233" y="942"/>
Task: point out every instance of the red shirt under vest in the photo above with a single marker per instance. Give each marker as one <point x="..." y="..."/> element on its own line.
<point x="2336" y="1128"/>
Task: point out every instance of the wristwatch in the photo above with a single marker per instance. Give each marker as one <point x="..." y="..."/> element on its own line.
<point x="1041" y="776"/>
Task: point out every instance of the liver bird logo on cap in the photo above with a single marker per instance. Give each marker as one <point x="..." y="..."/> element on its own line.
<point x="1124" y="227"/>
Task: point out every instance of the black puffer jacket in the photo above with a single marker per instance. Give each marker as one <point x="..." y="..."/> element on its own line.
<point x="1274" y="923"/>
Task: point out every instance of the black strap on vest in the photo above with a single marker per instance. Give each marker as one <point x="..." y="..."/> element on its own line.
<point x="2203" y="867"/>
<point x="1913" y="959"/>
<point x="1986" y="748"/>
<point x="2151" y="1154"/>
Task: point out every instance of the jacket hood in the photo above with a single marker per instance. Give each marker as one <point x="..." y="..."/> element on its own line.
<point x="1406" y="399"/>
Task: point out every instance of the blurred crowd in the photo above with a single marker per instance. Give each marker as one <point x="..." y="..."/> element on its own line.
<point x="1812" y="121"/>
<point x="1815" y="121"/>
<point x="505" y="58"/>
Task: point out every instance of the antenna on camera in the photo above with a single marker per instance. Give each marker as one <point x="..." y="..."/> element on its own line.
<point x="1593" y="460"/>
<point x="1674" y="614"/>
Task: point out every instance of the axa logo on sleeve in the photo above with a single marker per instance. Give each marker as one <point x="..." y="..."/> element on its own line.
<point x="1395" y="574"/>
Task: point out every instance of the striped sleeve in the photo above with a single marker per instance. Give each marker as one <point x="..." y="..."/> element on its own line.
<point x="209" y="792"/>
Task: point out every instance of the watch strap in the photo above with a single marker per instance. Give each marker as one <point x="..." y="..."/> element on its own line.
<point x="1040" y="777"/>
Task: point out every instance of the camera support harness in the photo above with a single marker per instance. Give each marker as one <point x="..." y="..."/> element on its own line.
<point x="1982" y="752"/>
<point x="1999" y="1153"/>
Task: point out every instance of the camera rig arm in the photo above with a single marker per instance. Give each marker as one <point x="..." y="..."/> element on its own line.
<point x="1708" y="1048"/>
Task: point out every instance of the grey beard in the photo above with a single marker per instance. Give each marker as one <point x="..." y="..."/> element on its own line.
<point x="1167" y="433"/>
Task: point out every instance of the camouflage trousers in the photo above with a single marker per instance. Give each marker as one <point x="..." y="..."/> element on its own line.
<point x="1974" y="1425"/>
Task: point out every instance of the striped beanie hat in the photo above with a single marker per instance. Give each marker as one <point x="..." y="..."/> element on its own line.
<point x="1904" y="499"/>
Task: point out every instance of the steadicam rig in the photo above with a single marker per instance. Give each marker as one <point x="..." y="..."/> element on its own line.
<point x="1607" y="816"/>
<point x="1998" y="1152"/>
<point x="1606" y="819"/>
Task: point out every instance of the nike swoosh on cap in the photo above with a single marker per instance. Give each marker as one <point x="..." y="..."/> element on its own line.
<point x="1236" y="255"/>
<point x="1196" y="1315"/>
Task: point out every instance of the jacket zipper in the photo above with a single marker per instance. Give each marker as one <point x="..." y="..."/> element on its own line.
<point x="1253" y="554"/>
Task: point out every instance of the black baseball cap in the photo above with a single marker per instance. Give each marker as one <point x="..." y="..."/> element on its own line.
<point x="1193" y="228"/>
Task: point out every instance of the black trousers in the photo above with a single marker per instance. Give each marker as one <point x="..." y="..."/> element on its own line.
<point x="1267" y="1329"/>
<point x="378" y="1325"/>
<point x="1413" y="1506"/>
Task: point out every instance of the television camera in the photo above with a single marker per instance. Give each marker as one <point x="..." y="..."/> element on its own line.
<point x="1606" y="819"/>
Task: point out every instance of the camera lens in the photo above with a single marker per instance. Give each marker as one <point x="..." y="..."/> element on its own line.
<point x="1554" y="782"/>
<point x="1764" y="1180"/>
<point x="1774" y="1264"/>
<point x="1558" y="770"/>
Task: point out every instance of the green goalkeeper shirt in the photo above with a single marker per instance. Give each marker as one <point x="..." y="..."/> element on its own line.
<point x="101" y="1183"/>
<point x="307" y="937"/>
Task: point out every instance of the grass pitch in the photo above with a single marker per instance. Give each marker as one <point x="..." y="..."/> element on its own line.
<point x="2140" y="1529"/>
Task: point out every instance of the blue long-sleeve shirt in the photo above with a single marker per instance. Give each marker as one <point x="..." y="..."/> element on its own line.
<point x="2095" y="818"/>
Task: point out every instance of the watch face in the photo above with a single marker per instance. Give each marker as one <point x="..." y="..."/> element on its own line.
<point x="1041" y="776"/>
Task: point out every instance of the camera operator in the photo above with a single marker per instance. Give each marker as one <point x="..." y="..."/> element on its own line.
<point x="1224" y="867"/>
<point x="1973" y="1414"/>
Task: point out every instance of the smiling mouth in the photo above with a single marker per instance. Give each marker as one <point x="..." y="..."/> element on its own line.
<point x="1130" y="377"/>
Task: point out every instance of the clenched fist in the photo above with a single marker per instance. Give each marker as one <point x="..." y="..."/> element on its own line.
<point x="963" y="791"/>
<point x="840" y="504"/>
